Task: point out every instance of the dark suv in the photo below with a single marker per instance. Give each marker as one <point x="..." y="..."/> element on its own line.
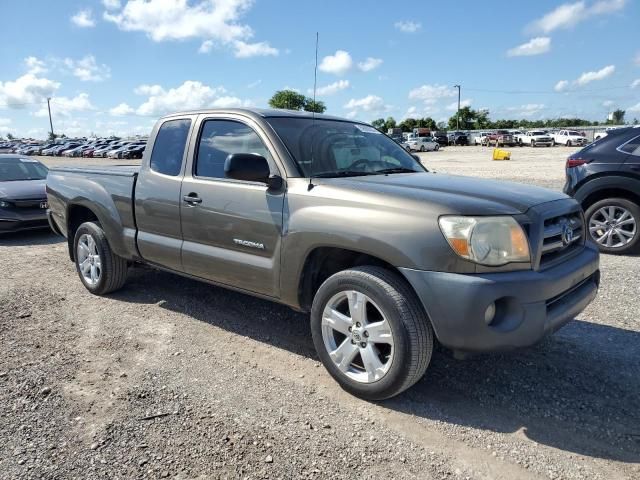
<point x="605" y="178"/>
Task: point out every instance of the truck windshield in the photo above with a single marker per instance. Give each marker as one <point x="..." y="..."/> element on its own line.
<point x="15" y="169"/>
<point x="332" y="148"/>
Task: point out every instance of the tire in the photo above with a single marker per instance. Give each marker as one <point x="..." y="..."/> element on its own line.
<point x="110" y="269"/>
<point x="422" y="148"/>
<point x="553" y="142"/>
<point x="437" y="147"/>
<point x="386" y="294"/>
<point x="593" y="215"/>
<point x="568" y="144"/>
<point x="533" y="143"/>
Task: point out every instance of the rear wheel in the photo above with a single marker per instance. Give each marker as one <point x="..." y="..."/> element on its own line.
<point x="613" y="225"/>
<point x="100" y="270"/>
<point x="371" y="332"/>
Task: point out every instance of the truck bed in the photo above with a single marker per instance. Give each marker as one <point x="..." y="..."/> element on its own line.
<point x="105" y="194"/>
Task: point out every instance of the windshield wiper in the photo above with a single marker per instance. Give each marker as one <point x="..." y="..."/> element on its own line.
<point x="397" y="170"/>
<point x="343" y="173"/>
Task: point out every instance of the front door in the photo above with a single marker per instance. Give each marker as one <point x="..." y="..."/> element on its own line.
<point x="157" y="195"/>
<point x="232" y="229"/>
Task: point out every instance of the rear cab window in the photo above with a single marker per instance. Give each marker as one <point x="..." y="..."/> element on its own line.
<point x="168" y="147"/>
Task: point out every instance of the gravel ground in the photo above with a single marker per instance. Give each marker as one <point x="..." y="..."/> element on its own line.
<point x="170" y="378"/>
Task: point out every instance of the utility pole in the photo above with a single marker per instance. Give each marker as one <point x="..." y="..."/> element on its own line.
<point x="53" y="137"/>
<point x="458" y="115"/>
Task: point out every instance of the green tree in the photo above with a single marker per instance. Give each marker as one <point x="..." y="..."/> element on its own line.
<point x="390" y="123"/>
<point x="618" y="117"/>
<point x="311" y="105"/>
<point x="10" y="137"/>
<point x="408" y="124"/>
<point x="289" y="99"/>
<point x="441" y="125"/>
<point x="379" y="124"/>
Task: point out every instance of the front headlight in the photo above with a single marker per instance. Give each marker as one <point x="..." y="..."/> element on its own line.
<point x="490" y="241"/>
<point x="4" y="204"/>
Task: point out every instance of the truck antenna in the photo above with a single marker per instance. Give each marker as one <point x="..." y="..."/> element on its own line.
<point x="313" y="112"/>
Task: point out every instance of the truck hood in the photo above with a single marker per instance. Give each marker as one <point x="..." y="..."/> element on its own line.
<point x="23" y="189"/>
<point x="463" y="195"/>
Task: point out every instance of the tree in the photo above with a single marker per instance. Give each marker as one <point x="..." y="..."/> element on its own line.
<point x="379" y="124"/>
<point x="618" y="117"/>
<point x="311" y="105"/>
<point x="289" y="99"/>
<point x="10" y="137"/>
<point x="292" y="100"/>
<point x="408" y="124"/>
<point x="390" y="123"/>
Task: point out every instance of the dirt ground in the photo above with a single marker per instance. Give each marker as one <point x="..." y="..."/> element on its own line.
<point x="171" y="378"/>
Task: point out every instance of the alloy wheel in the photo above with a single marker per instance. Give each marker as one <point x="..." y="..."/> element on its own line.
<point x="357" y="336"/>
<point x="612" y="226"/>
<point x="89" y="261"/>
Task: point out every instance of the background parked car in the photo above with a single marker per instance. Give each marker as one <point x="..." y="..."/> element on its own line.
<point x="605" y="178"/>
<point x="422" y="144"/>
<point x="135" y="151"/>
<point x="458" y="138"/>
<point x="501" y="138"/>
<point x="569" y="138"/>
<point x="535" y="138"/>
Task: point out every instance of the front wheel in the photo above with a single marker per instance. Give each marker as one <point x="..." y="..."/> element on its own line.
<point x="568" y="144"/>
<point x="436" y="147"/>
<point x="371" y="332"/>
<point x="613" y="225"/>
<point x="100" y="270"/>
<point x="422" y="149"/>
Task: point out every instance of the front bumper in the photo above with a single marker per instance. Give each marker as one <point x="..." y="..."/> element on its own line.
<point x="529" y="304"/>
<point x="11" y="221"/>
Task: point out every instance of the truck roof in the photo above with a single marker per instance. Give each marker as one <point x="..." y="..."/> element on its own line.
<point x="263" y="113"/>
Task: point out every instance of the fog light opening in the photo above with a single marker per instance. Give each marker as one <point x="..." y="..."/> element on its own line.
<point x="490" y="313"/>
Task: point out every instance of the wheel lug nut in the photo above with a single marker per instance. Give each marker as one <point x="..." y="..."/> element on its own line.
<point x="358" y="324"/>
<point x="353" y="342"/>
<point x="363" y="344"/>
<point x="366" y="334"/>
<point x="350" y="328"/>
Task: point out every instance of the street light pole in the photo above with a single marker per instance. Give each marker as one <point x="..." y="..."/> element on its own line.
<point x="458" y="114"/>
<point x="50" y="121"/>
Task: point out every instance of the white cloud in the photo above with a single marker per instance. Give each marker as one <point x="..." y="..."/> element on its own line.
<point x="432" y="93"/>
<point x="206" y="46"/>
<point x="259" y="49"/>
<point x="111" y="4"/>
<point x="570" y="14"/>
<point x="214" y="21"/>
<point x="190" y="95"/>
<point x="26" y="89"/>
<point x="407" y="26"/>
<point x="561" y="86"/>
<point x="463" y="103"/>
<point x="330" y="89"/>
<point x="121" y="109"/>
<point x="254" y="84"/>
<point x="371" y="104"/>
<point x="338" y="64"/>
<point x="588" y="77"/>
<point x="607" y="103"/>
<point x="634" y="108"/>
<point x="83" y="19"/>
<point x="34" y="65"/>
<point x="229" y="102"/>
<point x="64" y="106"/>
<point x="535" y="46"/>
<point x="528" y="109"/>
<point x="635" y="83"/>
<point x="87" y="69"/>
<point x="369" y="64"/>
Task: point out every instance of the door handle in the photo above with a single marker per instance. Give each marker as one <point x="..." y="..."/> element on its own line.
<point x="192" y="199"/>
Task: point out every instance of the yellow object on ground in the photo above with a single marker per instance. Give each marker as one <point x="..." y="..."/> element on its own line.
<point x="499" y="154"/>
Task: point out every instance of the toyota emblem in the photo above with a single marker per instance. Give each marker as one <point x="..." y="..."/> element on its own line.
<point x="567" y="234"/>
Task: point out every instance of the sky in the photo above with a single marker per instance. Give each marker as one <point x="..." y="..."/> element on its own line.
<point x="115" y="66"/>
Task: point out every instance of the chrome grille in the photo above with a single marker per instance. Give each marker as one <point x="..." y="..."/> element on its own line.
<point x="562" y="235"/>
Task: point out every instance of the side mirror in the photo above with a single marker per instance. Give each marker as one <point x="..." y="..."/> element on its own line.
<point x="250" y="167"/>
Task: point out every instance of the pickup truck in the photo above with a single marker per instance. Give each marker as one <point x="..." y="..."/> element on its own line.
<point x="331" y="217"/>
<point x="500" y="138"/>
<point x="535" y="138"/>
<point x="569" y="138"/>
